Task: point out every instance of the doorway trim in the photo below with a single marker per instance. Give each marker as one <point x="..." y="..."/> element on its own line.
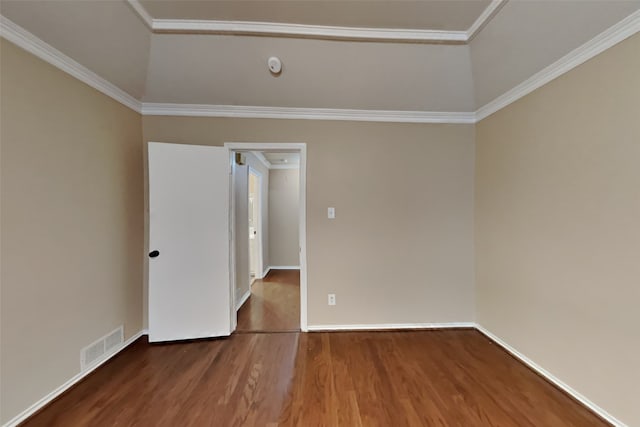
<point x="260" y="261"/>
<point x="301" y="148"/>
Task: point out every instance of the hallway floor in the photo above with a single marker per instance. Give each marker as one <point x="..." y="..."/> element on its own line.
<point x="274" y="305"/>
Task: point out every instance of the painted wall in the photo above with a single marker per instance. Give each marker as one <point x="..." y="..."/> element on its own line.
<point x="284" y="213"/>
<point x="558" y="231"/>
<point x="72" y="225"/>
<point x="403" y="194"/>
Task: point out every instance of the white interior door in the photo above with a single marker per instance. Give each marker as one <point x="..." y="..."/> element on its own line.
<point x="253" y="224"/>
<point x="189" y="282"/>
<point x="241" y="194"/>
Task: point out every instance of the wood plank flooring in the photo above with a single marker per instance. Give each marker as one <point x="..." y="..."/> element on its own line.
<point x="274" y="305"/>
<point x="404" y="378"/>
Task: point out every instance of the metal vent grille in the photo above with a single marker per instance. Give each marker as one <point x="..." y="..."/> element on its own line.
<point x="114" y="340"/>
<point x="92" y="353"/>
<point x="101" y="348"/>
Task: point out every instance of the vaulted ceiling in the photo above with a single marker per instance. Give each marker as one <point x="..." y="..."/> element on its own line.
<point x="420" y="14"/>
<point x="439" y="56"/>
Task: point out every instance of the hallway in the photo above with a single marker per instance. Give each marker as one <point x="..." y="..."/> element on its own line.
<point x="274" y="305"/>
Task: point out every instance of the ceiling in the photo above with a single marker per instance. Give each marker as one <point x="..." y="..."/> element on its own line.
<point x="284" y="159"/>
<point x="448" y="15"/>
<point x="515" y="41"/>
<point x="231" y="70"/>
<point x="104" y="36"/>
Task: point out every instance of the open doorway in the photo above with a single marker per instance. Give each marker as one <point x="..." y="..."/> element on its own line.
<point x="268" y="244"/>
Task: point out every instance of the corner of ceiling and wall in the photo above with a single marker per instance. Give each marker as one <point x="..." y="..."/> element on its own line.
<point x="459" y="76"/>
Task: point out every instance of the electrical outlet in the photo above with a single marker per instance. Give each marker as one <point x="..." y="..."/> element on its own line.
<point x="331" y="299"/>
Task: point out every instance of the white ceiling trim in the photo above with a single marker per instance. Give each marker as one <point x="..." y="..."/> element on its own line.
<point x="142" y="12"/>
<point x="202" y="110"/>
<point x="29" y="42"/>
<point x="262" y="159"/>
<point x="308" y="31"/>
<point x="608" y="38"/>
<point x="603" y="41"/>
<point x="316" y="31"/>
<point x="490" y="11"/>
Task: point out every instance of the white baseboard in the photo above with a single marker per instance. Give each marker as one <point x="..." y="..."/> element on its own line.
<point x="67" y="385"/>
<point x="265" y="272"/>
<point x="284" y="267"/>
<point x="243" y="299"/>
<point x="387" y="326"/>
<point x="551" y="378"/>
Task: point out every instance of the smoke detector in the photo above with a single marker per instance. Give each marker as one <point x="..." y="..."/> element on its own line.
<point x="275" y="65"/>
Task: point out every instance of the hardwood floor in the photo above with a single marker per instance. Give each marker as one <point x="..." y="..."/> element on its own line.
<point x="274" y="305"/>
<point x="409" y="378"/>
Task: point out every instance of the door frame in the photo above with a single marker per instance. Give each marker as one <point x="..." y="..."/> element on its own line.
<point x="300" y="147"/>
<point x="258" y="243"/>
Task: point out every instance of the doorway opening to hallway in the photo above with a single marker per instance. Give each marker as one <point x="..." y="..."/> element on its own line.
<point x="268" y="213"/>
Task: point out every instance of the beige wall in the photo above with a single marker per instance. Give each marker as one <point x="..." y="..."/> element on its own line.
<point x="558" y="228"/>
<point x="72" y="222"/>
<point x="284" y="213"/>
<point x="401" y="248"/>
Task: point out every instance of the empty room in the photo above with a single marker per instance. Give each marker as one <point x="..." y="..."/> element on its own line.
<point x="319" y="213"/>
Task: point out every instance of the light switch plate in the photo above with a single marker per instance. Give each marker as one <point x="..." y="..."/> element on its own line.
<point x="331" y="213"/>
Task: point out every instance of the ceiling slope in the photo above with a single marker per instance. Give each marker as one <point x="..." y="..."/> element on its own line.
<point x="444" y="15"/>
<point x="417" y="21"/>
<point x="323" y="79"/>
<point x="107" y="37"/>
<point x="527" y="36"/>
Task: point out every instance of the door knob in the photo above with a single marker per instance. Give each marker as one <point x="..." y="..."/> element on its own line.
<point x="154" y="254"/>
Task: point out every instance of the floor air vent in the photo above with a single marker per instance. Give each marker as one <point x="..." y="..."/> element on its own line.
<point x="101" y="348"/>
<point x="113" y="340"/>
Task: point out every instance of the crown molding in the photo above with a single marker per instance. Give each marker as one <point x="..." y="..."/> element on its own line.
<point x="490" y="11"/>
<point x="603" y="41"/>
<point x="316" y="31"/>
<point x="142" y="12"/>
<point x="200" y="110"/>
<point x="29" y="42"/>
<point x="608" y="38"/>
<point x="306" y="31"/>
<point x="262" y="159"/>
